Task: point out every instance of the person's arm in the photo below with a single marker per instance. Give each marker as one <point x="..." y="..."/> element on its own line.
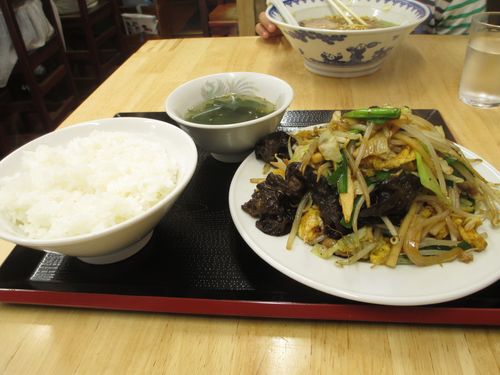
<point x="265" y="28"/>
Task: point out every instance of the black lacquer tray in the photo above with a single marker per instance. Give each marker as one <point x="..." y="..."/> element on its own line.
<point x="197" y="263"/>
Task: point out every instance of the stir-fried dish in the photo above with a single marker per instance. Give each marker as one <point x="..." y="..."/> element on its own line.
<point x="380" y="185"/>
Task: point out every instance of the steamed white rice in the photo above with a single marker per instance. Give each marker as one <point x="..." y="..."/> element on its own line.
<point x="87" y="185"/>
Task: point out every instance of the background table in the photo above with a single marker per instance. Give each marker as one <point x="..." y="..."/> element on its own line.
<point x="423" y="74"/>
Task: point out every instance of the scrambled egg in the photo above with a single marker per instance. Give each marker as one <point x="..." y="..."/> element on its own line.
<point x="471" y="236"/>
<point x="277" y="171"/>
<point x="426" y="212"/>
<point x="311" y="225"/>
<point x="380" y="254"/>
<point x="391" y="161"/>
<point x="442" y="233"/>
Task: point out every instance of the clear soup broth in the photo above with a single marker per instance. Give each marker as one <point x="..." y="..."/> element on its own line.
<point x="229" y="109"/>
<point x="339" y="23"/>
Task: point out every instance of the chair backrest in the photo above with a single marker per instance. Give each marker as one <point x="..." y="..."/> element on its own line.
<point x="95" y="42"/>
<point x="28" y="61"/>
<point x="223" y="20"/>
<point x="166" y="10"/>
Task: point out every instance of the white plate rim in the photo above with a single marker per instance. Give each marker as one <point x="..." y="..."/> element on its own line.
<point x="251" y="235"/>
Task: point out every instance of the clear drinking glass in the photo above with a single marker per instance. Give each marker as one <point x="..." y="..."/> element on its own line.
<point x="480" y="83"/>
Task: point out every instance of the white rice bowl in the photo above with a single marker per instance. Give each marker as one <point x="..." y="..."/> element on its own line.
<point x="95" y="188"/>
<point x="87" y="185"/>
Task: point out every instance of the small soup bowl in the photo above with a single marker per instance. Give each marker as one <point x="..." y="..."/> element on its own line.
<point x="231" y="142"/>
<point x="348" y="53"/>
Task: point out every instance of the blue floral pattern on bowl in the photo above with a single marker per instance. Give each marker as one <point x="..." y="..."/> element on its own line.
<point x="311" y="35"/>
<point x="349" y="53"/>
<point x="356" y="55"/>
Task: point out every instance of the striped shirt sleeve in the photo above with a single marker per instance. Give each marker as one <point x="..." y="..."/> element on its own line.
<point x="452" y="16"/>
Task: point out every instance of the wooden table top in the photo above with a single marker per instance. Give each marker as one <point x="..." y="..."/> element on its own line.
<point x="424" y="73"/>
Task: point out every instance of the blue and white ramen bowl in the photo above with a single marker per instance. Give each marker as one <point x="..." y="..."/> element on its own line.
<point x="349" y="53"/>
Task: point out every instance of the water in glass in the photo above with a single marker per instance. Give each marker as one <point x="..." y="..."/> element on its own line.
<point x="480" y="84"/>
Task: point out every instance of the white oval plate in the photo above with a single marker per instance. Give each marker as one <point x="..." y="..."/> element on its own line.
<point x="403" y="285"/>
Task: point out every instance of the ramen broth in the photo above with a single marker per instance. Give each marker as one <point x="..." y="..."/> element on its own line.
<point x="229" y="109"/>
<point x="339" y="23"/>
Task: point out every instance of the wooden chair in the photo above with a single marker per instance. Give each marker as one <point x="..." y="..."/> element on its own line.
<point x="175" y="16"/>
<point x="223" y="19"/>
<point x="36" y="100"/>
<point x="212" y="17"/>
<point x="95" y="42"/>
<point x="247" y="13"/>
